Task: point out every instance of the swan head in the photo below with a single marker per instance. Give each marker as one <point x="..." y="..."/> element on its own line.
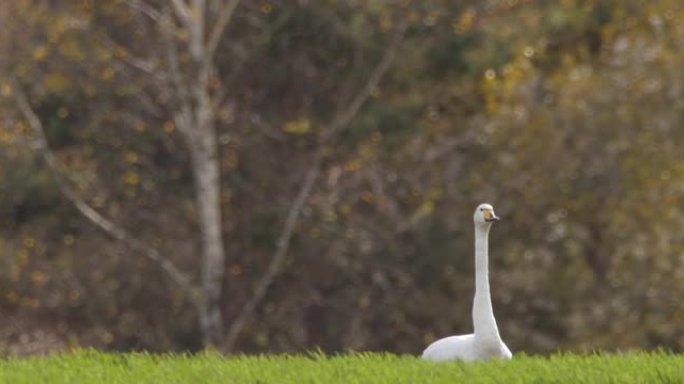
<point x="484" y="214"/>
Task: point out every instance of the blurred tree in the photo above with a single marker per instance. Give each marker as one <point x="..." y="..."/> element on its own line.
<point x="344" y="202"/>
<point x="183" y="80"/>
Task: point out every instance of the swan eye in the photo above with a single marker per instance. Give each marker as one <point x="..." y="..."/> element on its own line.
<point x="481" y="209"/>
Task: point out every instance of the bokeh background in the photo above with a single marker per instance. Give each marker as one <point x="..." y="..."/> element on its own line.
<point x="344" y="145"/>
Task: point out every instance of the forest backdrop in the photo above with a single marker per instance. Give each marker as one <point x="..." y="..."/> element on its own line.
<point x="266" y="176"/>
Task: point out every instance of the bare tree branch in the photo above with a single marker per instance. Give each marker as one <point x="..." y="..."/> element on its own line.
<point x="172" y="55"/>
<point x="118" y="233"/>
<point x="196" y="28"/>
<point x="194" y="115"/>
<point x="149" y="67"/>
<point x="145" y="8"/>
<point x="448" y="146"/>
<point x="266" y="128"/>
<point x="183" y="12"/>
<point x="282" y="247"/>
<point x="340" y="122"/>
<point x="182" y="118"/>
<point x="225" y="15"/>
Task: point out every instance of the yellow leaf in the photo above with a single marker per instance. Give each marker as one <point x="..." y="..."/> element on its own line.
<point x="62" y="113"/>
<point x="368" y="197"/>
<point x="131" y="178"/>
<point x="74" y="295"/>
<point x="6" y="90"/>
<point x="39" y="278"/>
<point x="131" y="157"/>
<point x="55" y="82"/>
<point x="352" y="165"/>
<point x="108" y="74"/>
<point x="72" y="50"/>
<point x="427" y="207"/>
<point x="69" y="239"/>
<point x="40" y="52"/>
<point x="329" y="216"/>
<point x="465" y="21"/>
<point x="6" y="138"/>
<point x="104" y="54"/>
<point x="29" y="242"/>
<point x="12" y="297"/>
<point x="299" y="127"/>
<point x="182" y="34"/>
<point x="344" y="209"/>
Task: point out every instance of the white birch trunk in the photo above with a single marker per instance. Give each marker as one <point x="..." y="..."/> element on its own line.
<point x="202" y="141"/>
<point x="206" y="169"/>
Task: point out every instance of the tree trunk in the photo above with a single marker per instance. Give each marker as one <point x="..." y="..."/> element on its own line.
<point x="206" y="170"/>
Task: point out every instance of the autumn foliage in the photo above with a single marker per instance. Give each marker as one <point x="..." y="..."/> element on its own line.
<point x="566" y="115"/>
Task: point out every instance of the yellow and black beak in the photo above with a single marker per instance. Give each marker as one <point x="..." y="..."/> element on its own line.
<point x="489" y="216"/>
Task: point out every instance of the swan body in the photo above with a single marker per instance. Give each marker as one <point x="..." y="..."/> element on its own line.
<point x="464" y="347"/>
<point x="485" y="343"/>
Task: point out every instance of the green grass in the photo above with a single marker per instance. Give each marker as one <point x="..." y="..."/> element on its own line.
<point x="96" y="367"/>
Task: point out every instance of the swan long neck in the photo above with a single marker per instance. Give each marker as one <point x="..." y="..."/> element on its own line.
<point x="483" y="314"/>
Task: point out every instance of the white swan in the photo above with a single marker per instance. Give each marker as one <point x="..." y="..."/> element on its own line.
<point x="485" y="343"/>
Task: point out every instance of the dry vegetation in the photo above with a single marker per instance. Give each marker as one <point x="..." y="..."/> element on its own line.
<point x="352" y="140"/>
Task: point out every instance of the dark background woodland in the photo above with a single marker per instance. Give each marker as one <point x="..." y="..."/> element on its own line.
<point x="353" y="139"/>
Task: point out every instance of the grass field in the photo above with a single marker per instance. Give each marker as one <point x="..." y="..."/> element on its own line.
<point x="95" y="367"/>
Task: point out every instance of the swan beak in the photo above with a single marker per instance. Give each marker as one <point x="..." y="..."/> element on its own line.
<point x="490" y="216"/>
